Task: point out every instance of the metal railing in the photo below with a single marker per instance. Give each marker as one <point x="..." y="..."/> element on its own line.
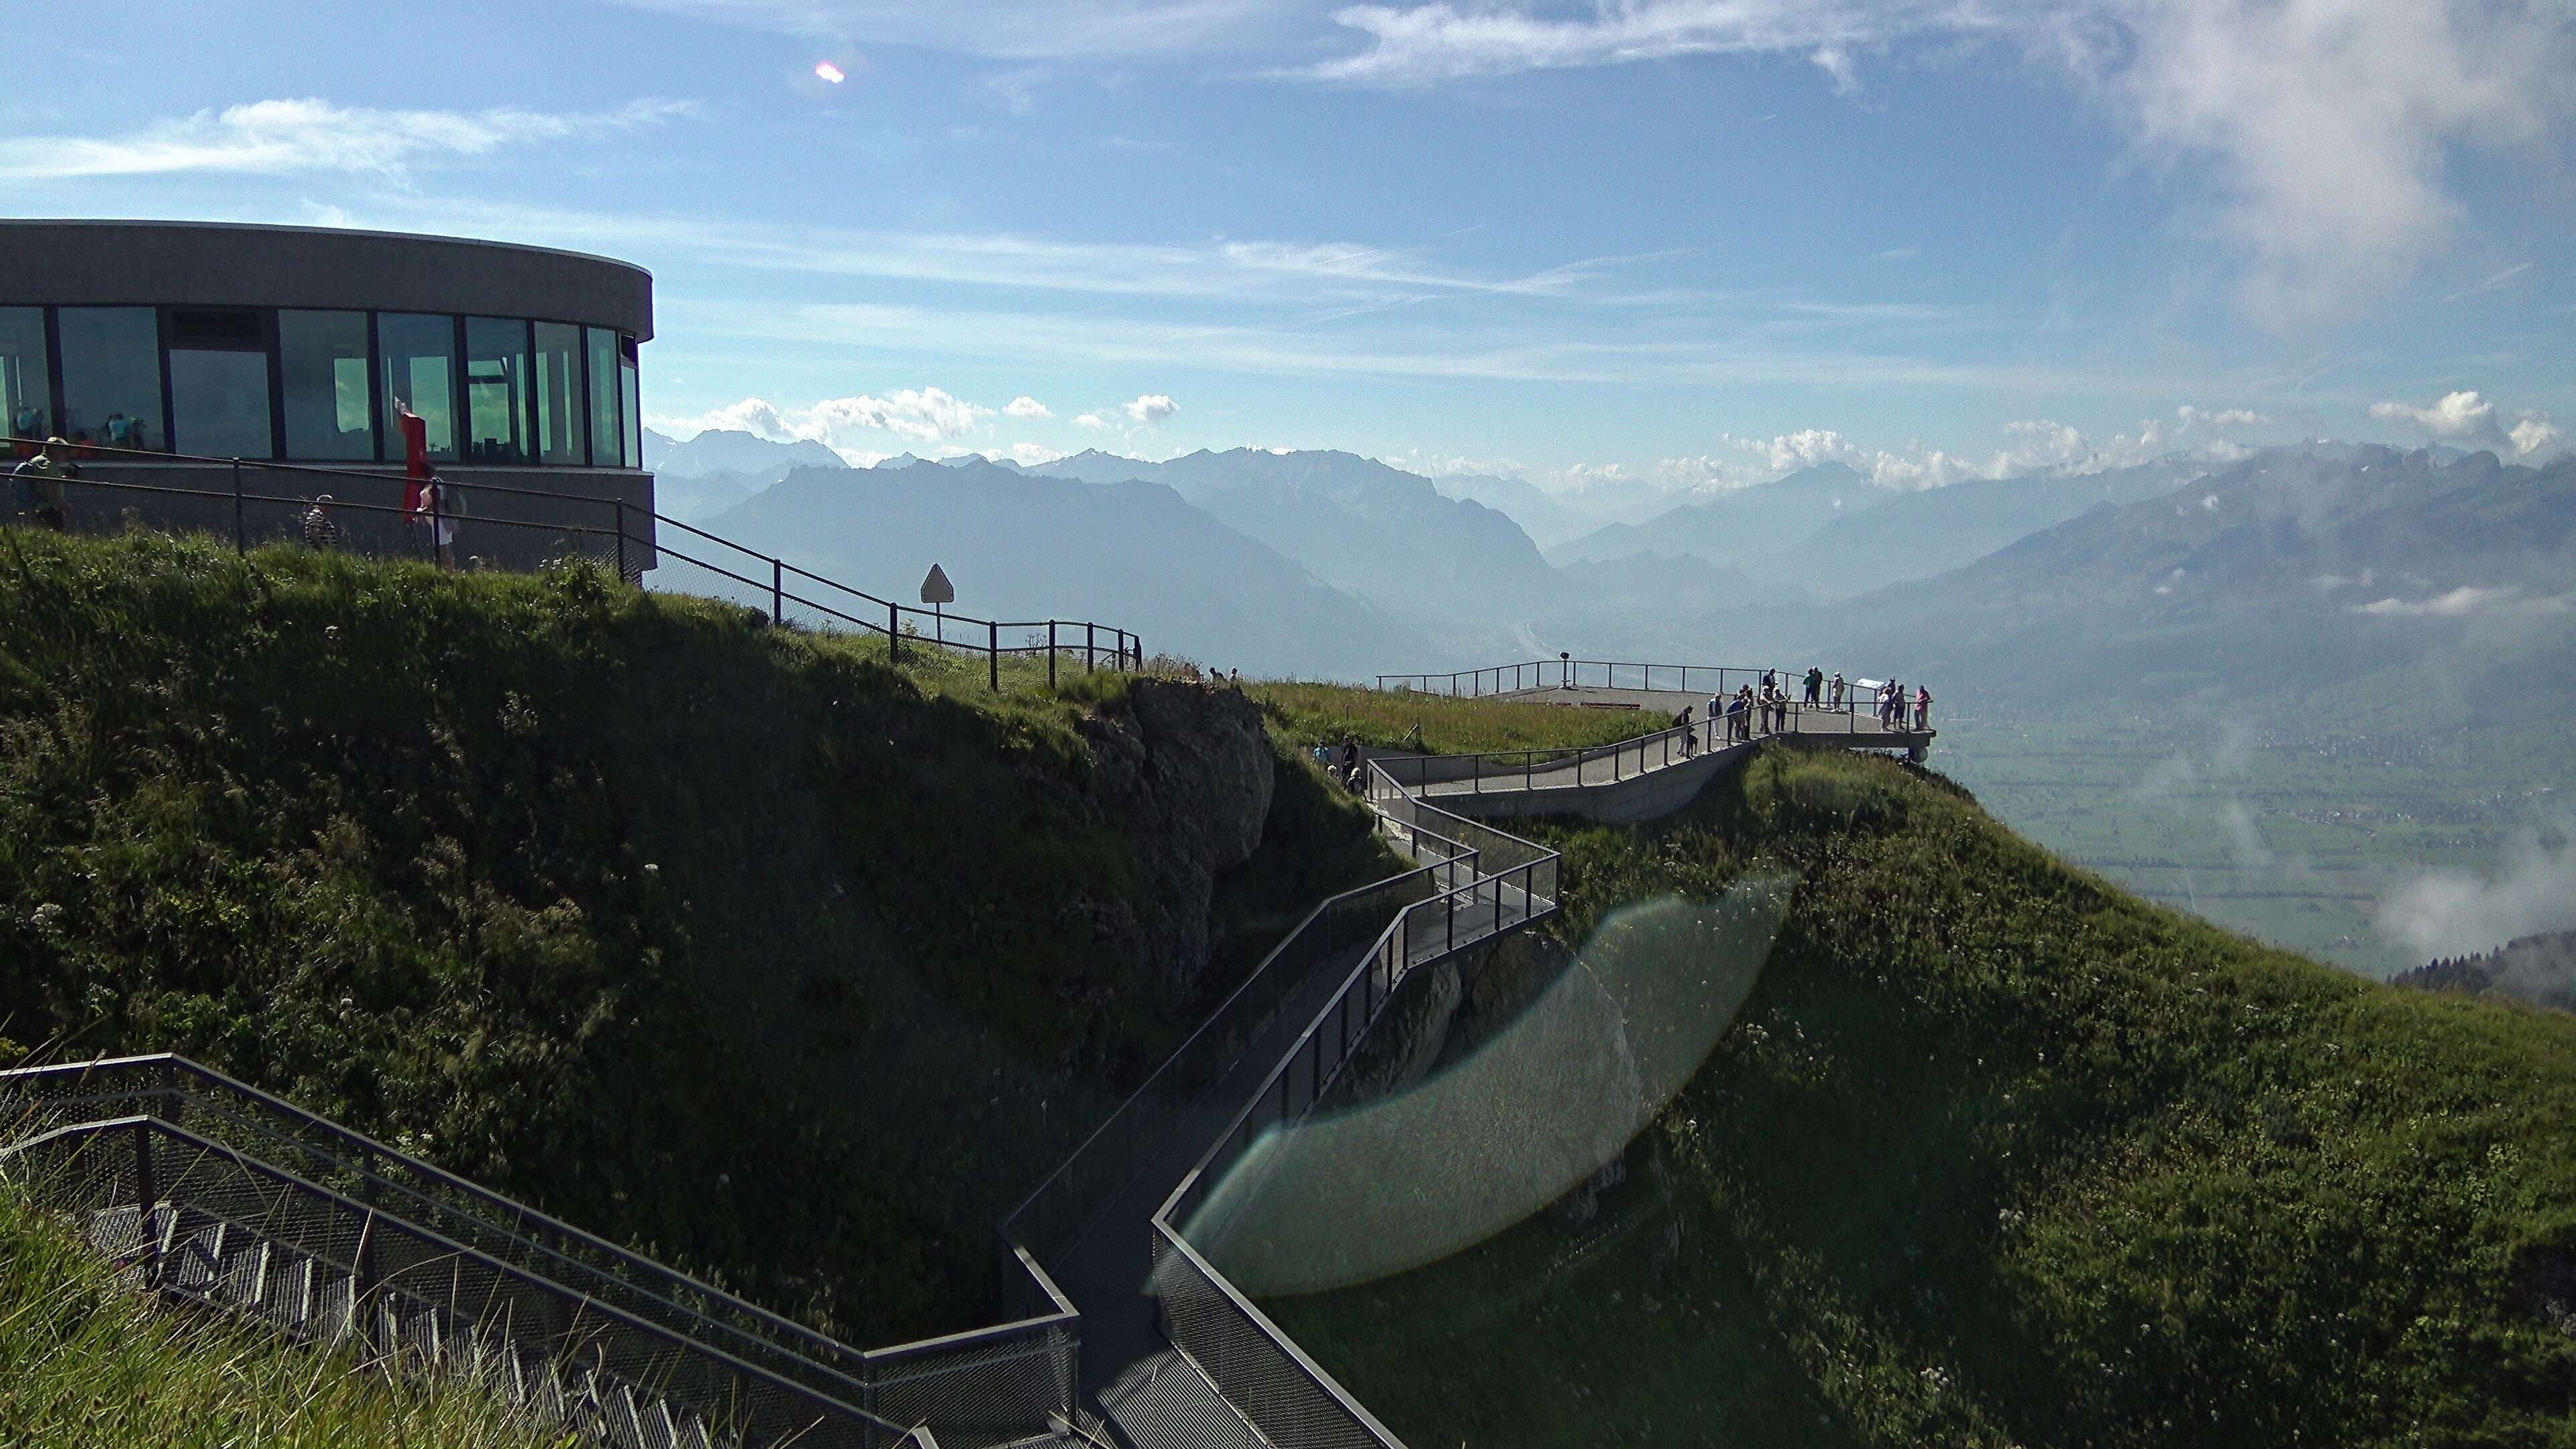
<point x="994" y="1384"/>
<point x="1698" y="681"/>
<point x="408" y="1287"/>
<point x="1253" y="1364"/>
<point x="1570" y="673"/>
<point x="638" y="542"/>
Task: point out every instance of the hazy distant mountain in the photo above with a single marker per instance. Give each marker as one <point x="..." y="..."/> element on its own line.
<point x="1016" y="546"/>
<point x="1917" y="535"/>
<point x="693" y="499"/>
<point x="1546" y="519"/>
<point x="2380" y="588"/>
<point x="1461" y="571"/>
<point x="742" y="455"/>
<point x="1752" y="528"/>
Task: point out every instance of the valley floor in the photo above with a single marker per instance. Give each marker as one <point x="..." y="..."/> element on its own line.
<point x="2309" y="843"/>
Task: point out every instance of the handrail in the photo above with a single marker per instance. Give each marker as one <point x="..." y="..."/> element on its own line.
<point x="1371" y="984"/>
<point x="740" y="1370"/>
<point x="1119" y="644"/>
<point x="791" y="1348"/>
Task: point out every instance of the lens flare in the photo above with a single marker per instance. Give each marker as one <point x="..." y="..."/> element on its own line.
<point x="830" y="72"/>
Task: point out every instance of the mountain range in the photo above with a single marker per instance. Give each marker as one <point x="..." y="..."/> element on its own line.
<point x="721" y="467"/>
<point x="1130" y="553"/>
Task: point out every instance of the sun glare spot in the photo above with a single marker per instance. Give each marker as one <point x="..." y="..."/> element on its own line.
<point x="830" y="72"/>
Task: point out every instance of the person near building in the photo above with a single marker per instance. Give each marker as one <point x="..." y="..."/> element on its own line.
<point x="321" y="530"/>
<point x="36" y="486"/>
<point x="437" y="514"/>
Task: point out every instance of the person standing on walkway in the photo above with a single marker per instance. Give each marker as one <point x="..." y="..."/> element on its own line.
<point x="36" y="487"/>
<point x="1838" y="689"/>
<point x="1682" y="721"/>
<point x="1815" y="684"/>
<point x="321" y="531"/>
<point x="1922" y="707"/>
<point x="437" y="513"/>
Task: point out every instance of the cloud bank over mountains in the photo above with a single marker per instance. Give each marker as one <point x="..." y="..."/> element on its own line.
<point x="2471" y="421"/>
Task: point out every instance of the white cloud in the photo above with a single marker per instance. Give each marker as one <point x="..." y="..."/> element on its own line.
<point x="2324" y="123"/>
<point x="1025" y="406"/>
<point x="285" y="136"/>
<point x="2472" y="421"/>
<point x="1149" y="410"/>
<point x="2192" y="417"/>
<point x="1029" y="455"/>
<point x="1015" y="91"/>
<point x="1090" y="420"/>
<point x="1003" y="29"/>
<point x="2464" y="602"/>
<point x="1900" y="254"/>
<point x="925" y="416"/>
<point x="2445" y="913"/>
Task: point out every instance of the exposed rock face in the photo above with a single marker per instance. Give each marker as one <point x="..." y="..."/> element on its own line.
<point x="1190" y="770"/>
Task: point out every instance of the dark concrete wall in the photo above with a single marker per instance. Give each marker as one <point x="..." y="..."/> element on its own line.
<point x="211" y="264"/>
<point x="575" y="510"/>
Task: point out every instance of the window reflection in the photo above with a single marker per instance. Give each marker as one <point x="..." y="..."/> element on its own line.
<point x="111" y="376"/>
<point x="562" y="433"/>
<point x="322" y="357"/>
<point x="419" y="371"/>
<point x="607" y="436"/>
<point x="219" y="383"/>
<point x="26" y="384"/>
<point x="496" y="390"/>
<point x="634" y="402"/>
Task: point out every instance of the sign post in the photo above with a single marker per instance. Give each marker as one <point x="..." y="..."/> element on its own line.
<point x="935" y="591"/>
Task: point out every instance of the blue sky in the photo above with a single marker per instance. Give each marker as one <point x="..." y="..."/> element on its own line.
<point x="1666" y="243"/>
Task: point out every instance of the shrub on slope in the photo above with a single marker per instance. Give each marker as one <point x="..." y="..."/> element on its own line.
<point x="1998" y="1155"/>
<point x="726" y="941"/>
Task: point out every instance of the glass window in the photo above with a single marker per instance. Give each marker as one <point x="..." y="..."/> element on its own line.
<point x="561" y="431"/>
<point x="419" y="359"/>
<point x="322" y="357"/>
<point x="496" y="390"/>
<point x="634" y="403"/>
<point x="607" y="436"/>
<point x="26" y="384"/>
<point x="111" y="376"/>
<point x="219" y="383"/>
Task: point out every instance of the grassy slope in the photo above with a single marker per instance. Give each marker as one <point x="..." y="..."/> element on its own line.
<point x="1997" y="1154"/>
<point x="85" y="1361"/>
<point x="716" y="938"/>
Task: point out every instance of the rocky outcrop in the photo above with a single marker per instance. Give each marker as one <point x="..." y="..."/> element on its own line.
<point x="1189" y="770"/>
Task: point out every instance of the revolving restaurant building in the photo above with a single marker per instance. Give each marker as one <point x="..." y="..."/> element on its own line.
<point x="305" y="344"/>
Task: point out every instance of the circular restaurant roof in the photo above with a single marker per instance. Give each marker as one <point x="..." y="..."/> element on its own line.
<point x="136" y="263"/>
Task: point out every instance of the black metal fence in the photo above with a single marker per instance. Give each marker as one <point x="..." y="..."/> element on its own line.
<point x="255" y="502"/>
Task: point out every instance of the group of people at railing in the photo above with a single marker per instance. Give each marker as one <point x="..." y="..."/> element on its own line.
<point x="430" y="505"/>
<point x="1768" y="708"/>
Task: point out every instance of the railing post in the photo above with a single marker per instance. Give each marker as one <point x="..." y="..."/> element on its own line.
<point x="1090" y="647"/>
<point x="778" y="591"/>
<point x="621" y="538"/>
<point x="146" y="1197"/>
<point x="993" y="653"/>
<point x="1050" y="653"/>
<point x="241" y="530"/>
<point x="894" y="633"/>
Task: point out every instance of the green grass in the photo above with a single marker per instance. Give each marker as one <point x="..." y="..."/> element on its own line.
<point x="1304" y="715"/>
<point x="1997" y="1154"/>
<point x="716" y="938"/>
<point x="86" y="1361"/>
